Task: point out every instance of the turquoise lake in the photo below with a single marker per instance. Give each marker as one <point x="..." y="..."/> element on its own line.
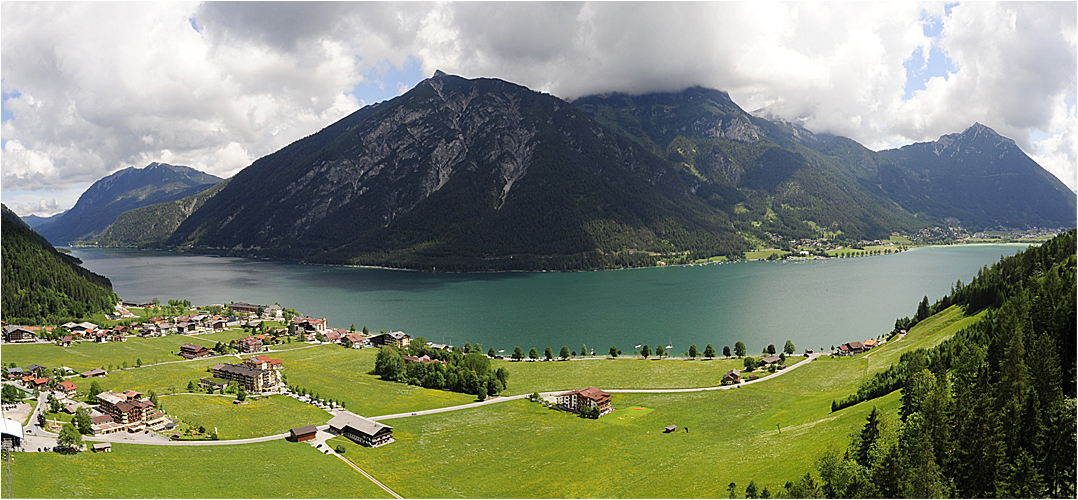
<point x="814" y="303"/>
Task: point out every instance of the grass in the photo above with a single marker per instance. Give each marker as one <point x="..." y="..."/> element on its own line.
<point x="770" y="433"/>
<point x="276" y="469"/>
<point x="259" y="417"/>
<point x="623" y="373"/>
<point x="764" y="254"/>
<point x="82" y="356"/>
<point x="341" y="374"/>
<point x="162" y="379"/>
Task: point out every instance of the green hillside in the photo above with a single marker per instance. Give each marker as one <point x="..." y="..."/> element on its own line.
<point x="152" y="225"/>
<point x="41" y="284"/>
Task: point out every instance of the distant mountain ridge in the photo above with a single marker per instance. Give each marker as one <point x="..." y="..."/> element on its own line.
<point x="484" y="174"/>
<point x="119" y="192"/>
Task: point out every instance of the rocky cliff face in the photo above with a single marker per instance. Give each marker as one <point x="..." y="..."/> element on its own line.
<point x="465" y="173"/>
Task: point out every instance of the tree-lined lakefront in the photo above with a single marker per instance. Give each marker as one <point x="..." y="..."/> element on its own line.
<point x="813" y="303"/>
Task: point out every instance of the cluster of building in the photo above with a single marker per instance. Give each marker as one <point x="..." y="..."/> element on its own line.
<point x="854" y="348"/>
<point x="255" y="374"/>
<point x="126" y="411"/>
<point x="33" y="377"/>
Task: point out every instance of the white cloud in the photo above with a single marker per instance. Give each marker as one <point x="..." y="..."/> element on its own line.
<point x="109" y="85"/>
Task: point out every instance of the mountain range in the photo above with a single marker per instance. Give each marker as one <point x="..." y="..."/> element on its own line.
<point x="119" y="192"/>
<point x="483" y="174"/>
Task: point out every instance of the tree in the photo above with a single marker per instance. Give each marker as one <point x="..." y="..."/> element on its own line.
<point x="548" y="353"/>
<point x="771" y="349"/>
<point x="95" y="389"/>
<point x="613" y="352"/>
<point x="789" y="349"/>
<point x="491" y="353"/>
<point x="726" y="351"/>
<point x="709" y="351"/>
<point x="739" y="349"/>
<point x="660" y="351"/>
<point x="82" y="421"/>
<point x="750" y="364"/>
<point x="564" y="352"/>
<point x="138" y="362"/>
<point x="751" y="491"/>
<point x="693" y="352"/>
<point x="481" y="392"/>
<point x="533" y="353"/>
<point x="467" y="347"/>
<point x="732" y="489"/>
<point x="922" y="309"/>
<point x="389" y="364"/>
<point x="584" y="349"/>
<point x="366" y="331"/>
<point x="339" y="448"/>
<point x="54" y="404"/>
<point x="69" y="436"/>
<point x="518" y="353"/>
<point x="191" y="387"/>
<point x="645" y="351"/>
<point x="241" y="394"/>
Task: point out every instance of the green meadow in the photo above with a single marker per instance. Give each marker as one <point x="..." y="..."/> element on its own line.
<point x="262" y="416"/>
<point x="770" y="432"/>
<point x="276" y="469"/>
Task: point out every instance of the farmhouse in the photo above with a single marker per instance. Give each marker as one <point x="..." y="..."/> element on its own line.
<point x="395" y="339"/>
<point x="301" y="434"/>
<point x="851" y="348"/>
<point x="249" y="345"/>
<point x="732" y="377"/>
<point x="352" y="340"/>
<point x="14" y="333"/>
<point x="770" y="360"/>
<point x="361" y="430"/>
<point x="252" y="379"/>
<point x="67" y="387"/>
<point x="96" y="372"/>
<point x="192" y="351"/>
<point x="591" y="397"/>
<point x="869" y="344"/>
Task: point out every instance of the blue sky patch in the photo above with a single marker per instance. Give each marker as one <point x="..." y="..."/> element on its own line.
<point x="386" y="81"/>
<point x="917" y="71"/>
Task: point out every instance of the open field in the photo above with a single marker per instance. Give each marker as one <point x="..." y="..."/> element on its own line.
<point x="764" y="254"/>
<point x="162" y="379"/>
<point x="342" y="374"/>
<point x="770" y="432"/>
<point x="259" y="417"/>
<point x="82" y="356"/>
<point x="276" y="469"/>
<point x="623" y="373"/>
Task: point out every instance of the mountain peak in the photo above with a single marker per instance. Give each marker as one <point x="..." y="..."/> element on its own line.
<point x="439" y="73"/>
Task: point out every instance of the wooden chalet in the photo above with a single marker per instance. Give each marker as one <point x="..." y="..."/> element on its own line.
<point x="361" y="430"/>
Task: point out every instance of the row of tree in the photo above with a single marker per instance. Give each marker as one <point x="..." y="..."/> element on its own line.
<point x="645" y="351"/>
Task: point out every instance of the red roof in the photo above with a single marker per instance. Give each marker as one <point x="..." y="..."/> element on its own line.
<point x="68" y="385"/>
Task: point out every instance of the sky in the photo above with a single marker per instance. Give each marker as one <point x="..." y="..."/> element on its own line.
<point x="89" y="88"/>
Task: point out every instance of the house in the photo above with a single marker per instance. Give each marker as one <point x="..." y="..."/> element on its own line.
<point x="38" y="383"/>
<point x="263" y="363"/>
<point x="770" y="360"/>
<point x="395" y="339"/>
<point x="422" y="359"/>
<point x="855" y="347"/>
<point x="249" y="344"/>
<point x="15" y="372"/>
<point x="101" y="337"/>
<point x="731" y="377"/>
<point x="66" y="341"/>
<point x="441" y="347"/>
<point x="212" y="383"/>
<point x="135" y="303"/>
<point x="844" y="350"/>
<point x="869" y="344"/>
<point x="14" y="333"/>
<point x="361" y="430"/>
<point x="245" y="308"/>
<point x="216" y="324"/>
<point x="35" y="369"/>
<point x="301" y="434"/>
<point x="274" y="311"/>
<point x="591" y="397"/>
<point x="102" y="447"/>
<point x="352" y="340"/>
<point x="670" y="428"/>
<point x="130" y="410"/>
<point x="96" y="372"/>
<point x="334" y="335"/>
<point x="309" y="326"/>
<point x="252" y="379"/>
<point x="101" y="419"/>
<point x="192" y="351"/>
<point x="67" y="387"/>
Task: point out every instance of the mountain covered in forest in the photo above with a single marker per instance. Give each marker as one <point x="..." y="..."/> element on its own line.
<point x="483" y="174"/>
<point x="119" y="192"/>
<point x="41" y="284"/>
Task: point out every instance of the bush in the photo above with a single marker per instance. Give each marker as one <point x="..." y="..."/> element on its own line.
<point x="339" y="449"/>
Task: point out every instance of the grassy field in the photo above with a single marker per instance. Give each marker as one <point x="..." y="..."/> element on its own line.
<point x="344" y="375"/>
<point x="622" y="373"/>
<point x="770" y="432"/>
<point x="259" y="417"/>
<point x="82" y="356"/>
<point x="764" y="254"/>
<point x="277" y="469"/>
<point x="162" y="379"/>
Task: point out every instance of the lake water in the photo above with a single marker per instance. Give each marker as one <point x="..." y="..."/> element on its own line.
<point x="814" y="303"/>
